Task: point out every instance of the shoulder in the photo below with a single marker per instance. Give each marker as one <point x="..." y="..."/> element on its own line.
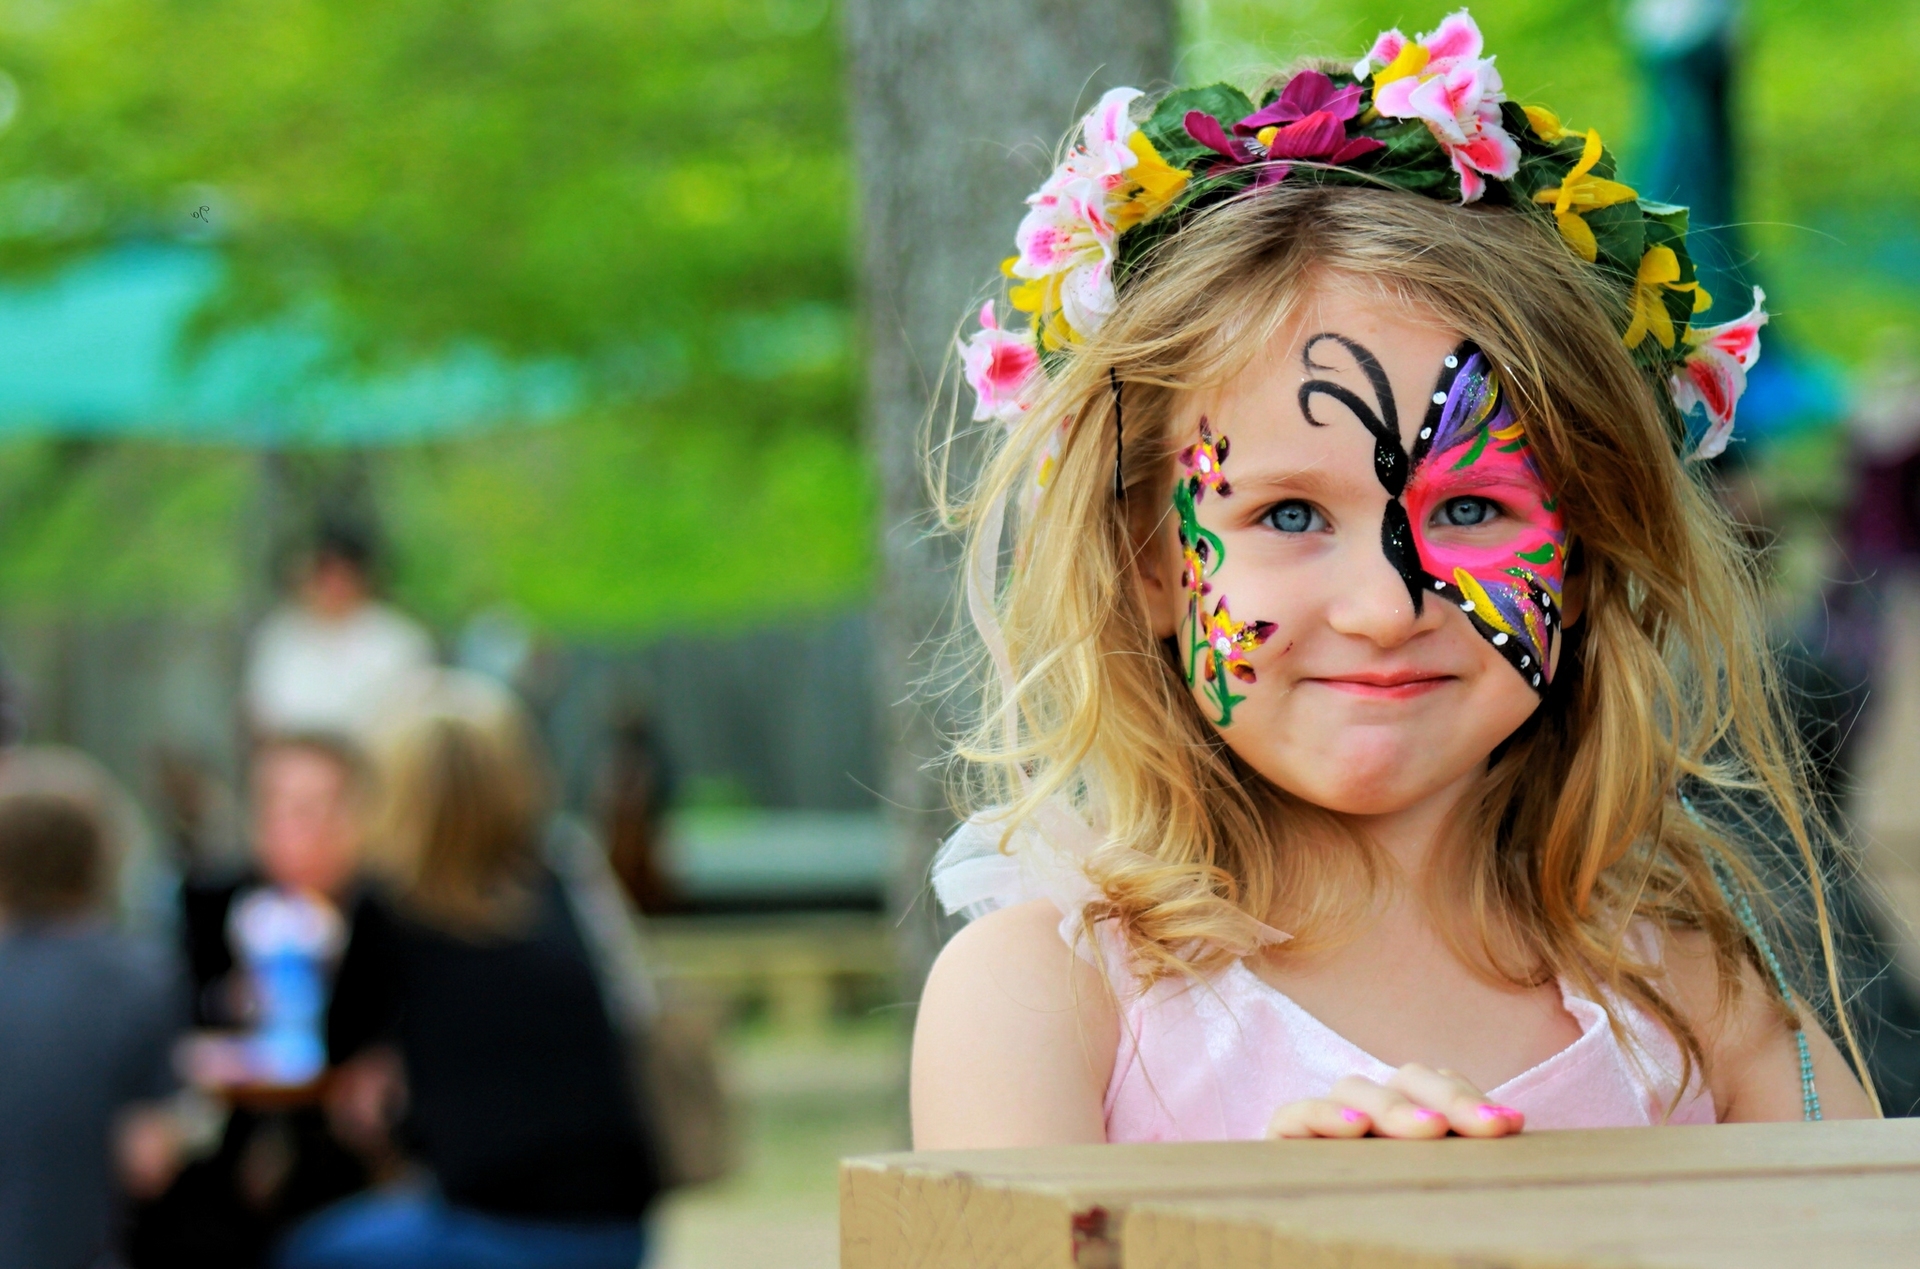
<point x="1016" y="1037"/>
<point x="1018" y="944"/>
<point x="1753" y="1059"/>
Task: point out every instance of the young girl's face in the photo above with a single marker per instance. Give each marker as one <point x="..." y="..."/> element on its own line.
<point x="1363" y="567"/>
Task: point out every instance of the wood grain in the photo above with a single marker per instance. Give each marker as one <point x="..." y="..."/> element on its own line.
<point x="1774" y="1222"/>
<point x="1085" y="1206"/>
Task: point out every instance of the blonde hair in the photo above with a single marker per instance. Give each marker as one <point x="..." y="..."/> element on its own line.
<point x="460" y="802"/>
<point x="1577" y="829"/>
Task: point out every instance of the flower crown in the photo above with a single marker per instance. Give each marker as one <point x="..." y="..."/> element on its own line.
<point x="1428" y="116"/>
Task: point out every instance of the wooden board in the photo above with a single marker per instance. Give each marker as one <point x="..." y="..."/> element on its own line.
<point x="1822" y="1221"/>
<point x="1069" y="1207"/>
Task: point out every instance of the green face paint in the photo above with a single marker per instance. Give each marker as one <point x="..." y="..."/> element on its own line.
<point x="1216" y="644"/>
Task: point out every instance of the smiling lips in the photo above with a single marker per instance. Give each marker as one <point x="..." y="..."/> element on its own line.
<point x="1386" y="685"/>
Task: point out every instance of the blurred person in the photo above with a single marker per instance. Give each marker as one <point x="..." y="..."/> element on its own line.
<point x="1866" y="634"/>
<point x="333" y="658"/>
<point x="261" y="947"/>
<point x="142" y="889"/>
<point x="468" y="1018"/>
<point x="635" y="793"/>
<point x="88" y="1018"/>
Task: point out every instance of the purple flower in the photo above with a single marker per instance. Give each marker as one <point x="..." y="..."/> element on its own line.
<point x="1307" y="121"/>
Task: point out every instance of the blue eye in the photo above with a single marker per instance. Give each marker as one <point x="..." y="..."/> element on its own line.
<point x="1464" y="513"/>
<point x="1296" y="517"/>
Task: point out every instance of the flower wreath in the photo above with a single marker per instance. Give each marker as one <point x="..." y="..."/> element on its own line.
<point x="1428" y="116"/>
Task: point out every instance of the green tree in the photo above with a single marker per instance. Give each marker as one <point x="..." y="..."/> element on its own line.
<point x="657" y="194"/>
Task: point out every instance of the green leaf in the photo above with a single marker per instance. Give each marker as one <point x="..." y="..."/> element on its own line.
<point x="1474" y="451"/>
<point x="1167" y="127"/>
<point x="1621" y="234"/>
<point x="1543" y="556"/>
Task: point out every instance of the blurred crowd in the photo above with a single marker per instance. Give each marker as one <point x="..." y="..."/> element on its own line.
<point x="411" y="1022"/>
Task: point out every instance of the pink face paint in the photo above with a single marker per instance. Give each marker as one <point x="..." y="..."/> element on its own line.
<point x="1471" y="445"/>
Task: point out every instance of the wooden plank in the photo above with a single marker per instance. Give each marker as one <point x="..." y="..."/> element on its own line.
<point x="1830" y="1220"/>
<point x="1067" y="1206"/>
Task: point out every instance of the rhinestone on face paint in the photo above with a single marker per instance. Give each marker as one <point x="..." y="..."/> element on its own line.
<point x="1536" y="680"/>
<point x="1439" y="585"/>
<point x="1525" y="662"/>
<point x="1467" y="607"/>
<point x="1451" y="361"/>
<point x="1500" y="640"/>
<point x="1425" y="432"/>
<point x="1439" y="398"/>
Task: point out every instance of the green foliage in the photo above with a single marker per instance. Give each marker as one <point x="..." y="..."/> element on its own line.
<point x="121" y="528"/>
<point x="691" y="524"/>
<point x="657" y="193"/>
<point x="1830" y="190"/>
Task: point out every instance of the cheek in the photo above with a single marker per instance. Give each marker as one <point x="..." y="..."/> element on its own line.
<point x="1238" y="629"/>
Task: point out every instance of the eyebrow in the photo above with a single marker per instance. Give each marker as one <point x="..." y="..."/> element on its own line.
<point x="1308" y="481"/>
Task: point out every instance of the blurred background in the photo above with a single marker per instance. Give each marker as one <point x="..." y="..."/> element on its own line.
<point x="583" y="347"/>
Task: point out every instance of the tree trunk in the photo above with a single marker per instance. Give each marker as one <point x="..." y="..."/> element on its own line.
<point x="957" y="107"/>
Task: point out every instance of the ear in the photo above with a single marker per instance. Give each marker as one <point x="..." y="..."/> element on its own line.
<point x="1156" y="570"/>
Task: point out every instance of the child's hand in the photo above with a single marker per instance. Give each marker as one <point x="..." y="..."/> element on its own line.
<point x="1416" y="1102"/>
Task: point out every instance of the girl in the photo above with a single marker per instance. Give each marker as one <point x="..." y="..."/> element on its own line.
<point x="1381" y="735"/>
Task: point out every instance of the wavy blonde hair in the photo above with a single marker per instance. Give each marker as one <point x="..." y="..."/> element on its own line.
<point x="457" y="829"/>
<point x="1577" y="829"/>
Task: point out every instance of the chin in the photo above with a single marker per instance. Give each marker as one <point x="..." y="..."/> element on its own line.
<point x="1375" y="780"/>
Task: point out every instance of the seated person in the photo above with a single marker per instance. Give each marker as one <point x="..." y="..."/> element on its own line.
<point x="273" y="1166"/>
<point x="88" y="1018"/>
<point x="473" y="972"/>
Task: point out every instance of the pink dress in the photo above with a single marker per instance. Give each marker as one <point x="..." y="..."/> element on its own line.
<point x="1211" y="1061"/>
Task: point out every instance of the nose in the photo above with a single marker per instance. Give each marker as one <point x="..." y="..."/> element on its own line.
<point x="1371" y="600"/>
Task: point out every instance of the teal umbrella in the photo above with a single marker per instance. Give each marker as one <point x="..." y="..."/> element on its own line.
<point x="99" y="350"/>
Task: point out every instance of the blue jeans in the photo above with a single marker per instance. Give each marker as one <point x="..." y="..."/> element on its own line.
<point x="417" y="1229"/>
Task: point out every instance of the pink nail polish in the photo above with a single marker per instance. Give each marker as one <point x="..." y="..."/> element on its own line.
<point x="1505" y="1112"/>
<point x="1353" y="1116"/>
<point x="1421" y="1112"/>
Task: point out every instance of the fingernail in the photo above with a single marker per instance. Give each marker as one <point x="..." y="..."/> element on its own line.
<point x="1421" y="1112"/>
<point x="1504" y="1112"/>
<point x="1353" y="1116"/>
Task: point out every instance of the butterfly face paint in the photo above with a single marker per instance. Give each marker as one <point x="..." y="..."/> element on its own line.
<point x="1470" y="462"/>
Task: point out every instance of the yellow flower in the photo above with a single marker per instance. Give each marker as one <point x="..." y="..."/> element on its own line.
<point x="1546" y="124"/>
<point x="1155" y="183"/>
<point x="1659" y="270"/>
<point x="1412" y="59"/>
<point x="1041" y="297"/>
<point x="1581" y="191"/>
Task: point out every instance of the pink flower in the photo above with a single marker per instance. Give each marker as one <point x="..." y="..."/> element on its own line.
<point x="1715" y="373"/>
<point x="1442" y="80"/>
<point x="1307" y="121"/>
<point x="1003" y="367"/>
<point x="1066" y="240"/>
<point x="1111" y="180"/>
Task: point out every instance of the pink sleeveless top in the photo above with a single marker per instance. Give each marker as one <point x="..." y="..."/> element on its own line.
<point x="1212" y="1060"/>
